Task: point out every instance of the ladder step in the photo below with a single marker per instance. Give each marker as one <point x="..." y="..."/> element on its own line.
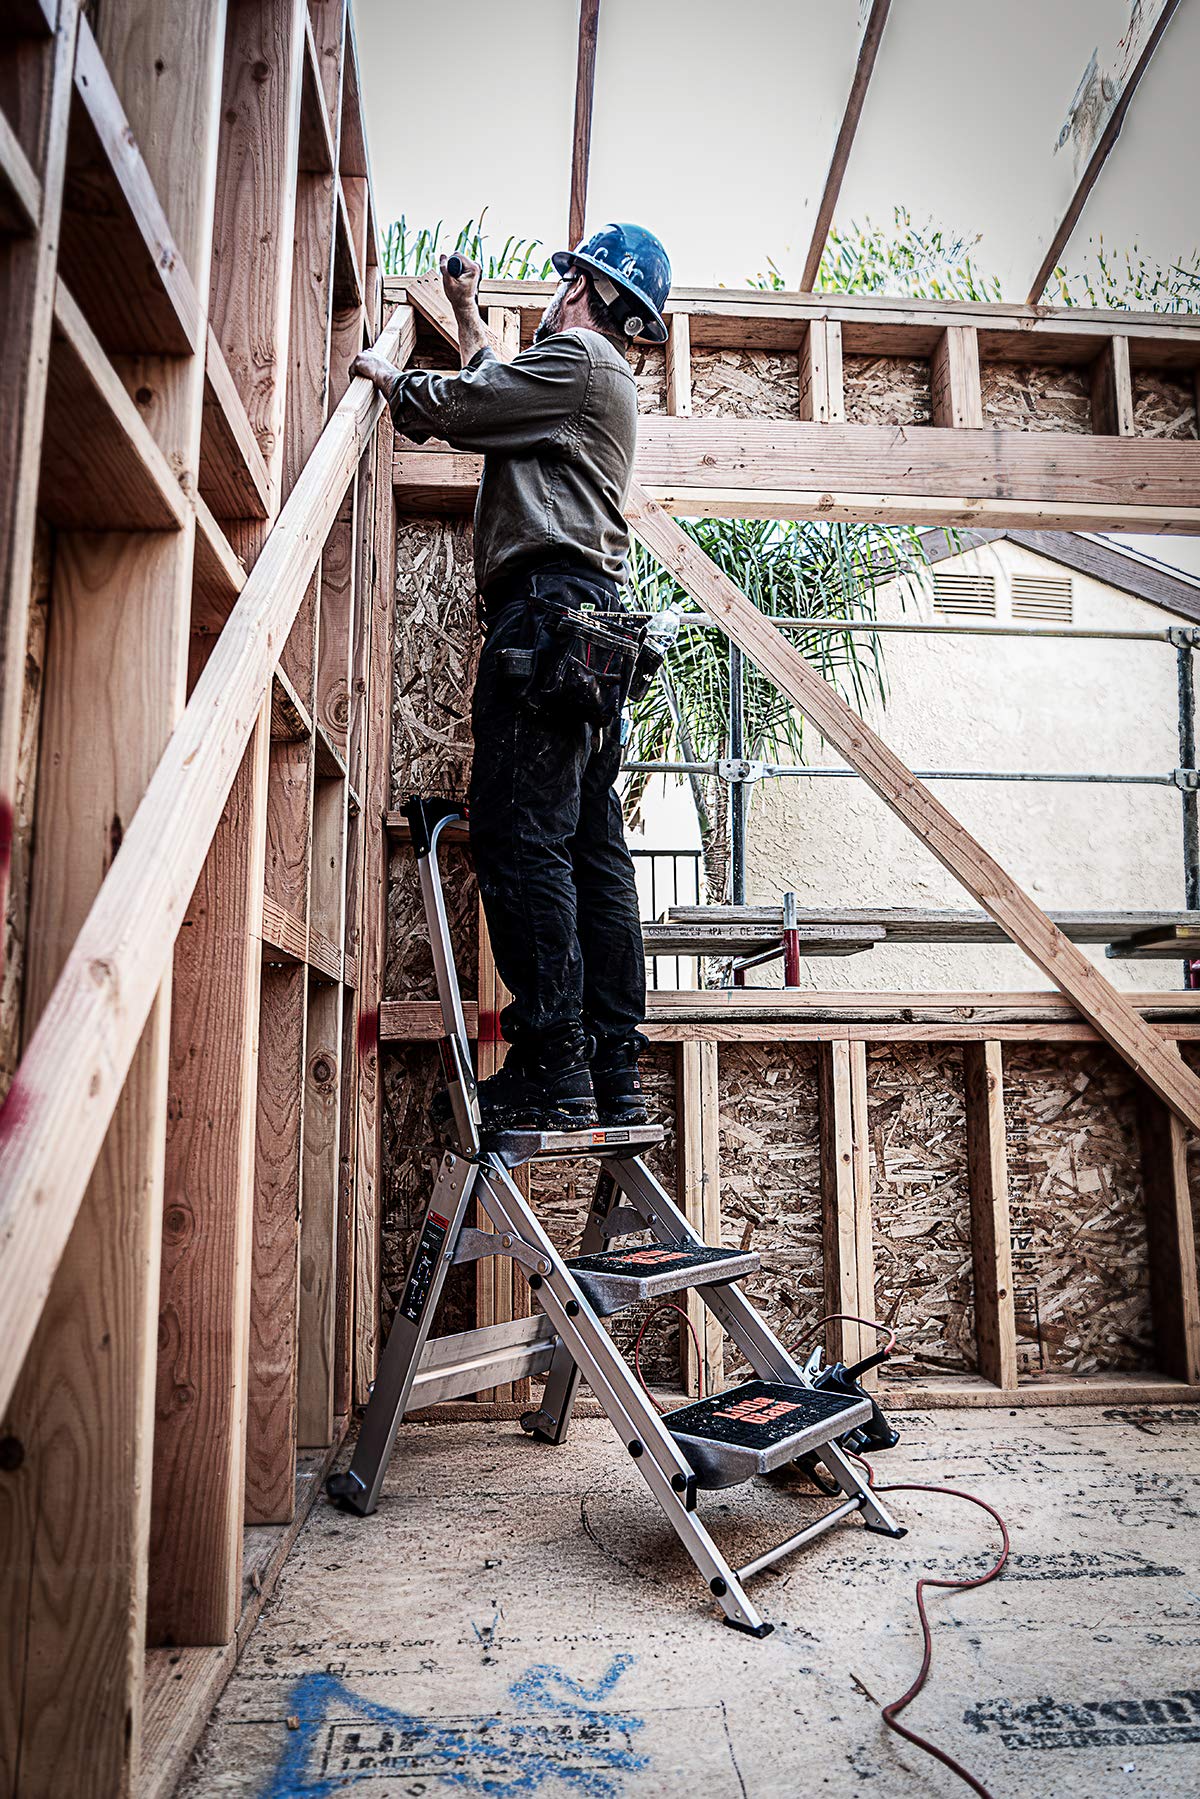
<point x="758" y="1426"/>
<point x="621" y="1277"/>
<point x="513" y="1148"/>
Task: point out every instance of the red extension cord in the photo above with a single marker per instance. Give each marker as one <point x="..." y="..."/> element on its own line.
<point x="890" y="1711"/>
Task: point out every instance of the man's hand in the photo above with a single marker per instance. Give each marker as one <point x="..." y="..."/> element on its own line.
<point x="377" y="370"/>
<point x="461" y="289"/>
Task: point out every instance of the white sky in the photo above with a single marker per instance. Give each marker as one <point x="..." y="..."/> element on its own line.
<point x="714" y="121"/>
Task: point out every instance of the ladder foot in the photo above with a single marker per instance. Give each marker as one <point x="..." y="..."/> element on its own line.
<point x="539" y="1426"/>
<point x="347" y="1492"/>
<point x="881" y="1530"/>
<point x="750" y="1630"/>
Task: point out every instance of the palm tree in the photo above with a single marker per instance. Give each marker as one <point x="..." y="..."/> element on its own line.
<point x="790" y="571"/>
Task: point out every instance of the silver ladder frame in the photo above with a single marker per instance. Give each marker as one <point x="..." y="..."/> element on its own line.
<point x="568" y="1341"/>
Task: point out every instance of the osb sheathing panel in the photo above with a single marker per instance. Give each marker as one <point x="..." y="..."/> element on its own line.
<point x="562" y="1193"/>
<point x="436" y="650"/>
<point x="887" y="390"/>
<point x="771" y="1183"/>
<point x="1035" y="397"/>
<point x="746" y="384"/>
<point x="1080" y="1270"/>
<point x="649" y="365"/>
<point x="920" y="1206"/>
<point x="411" y="1158"/>
<point x="1163" y="407"/>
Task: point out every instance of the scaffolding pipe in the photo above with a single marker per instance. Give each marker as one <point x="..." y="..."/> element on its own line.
<point x="772" y="773"/>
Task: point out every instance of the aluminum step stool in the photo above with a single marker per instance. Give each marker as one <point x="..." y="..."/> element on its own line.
<point x="714" y="1443"/>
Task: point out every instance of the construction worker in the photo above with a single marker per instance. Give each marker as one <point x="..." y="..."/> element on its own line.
<point x="557" y="427"/>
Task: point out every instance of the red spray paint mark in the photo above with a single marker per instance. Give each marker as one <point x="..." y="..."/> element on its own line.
<point x="489" y="1027"/>
<point x="368" y="1031"/>
<point x="14" y="1109"/>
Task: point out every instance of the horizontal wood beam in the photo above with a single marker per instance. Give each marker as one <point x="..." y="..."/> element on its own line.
<point x="759" y="468"/>
<point x="61" y="1101"/>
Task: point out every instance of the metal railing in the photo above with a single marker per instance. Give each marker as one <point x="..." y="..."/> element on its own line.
<point x="663" y="870"/>
<point x="740" y="772"/>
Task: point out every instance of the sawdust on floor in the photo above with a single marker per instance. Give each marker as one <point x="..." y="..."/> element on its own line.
<point x="517" y="1619"/>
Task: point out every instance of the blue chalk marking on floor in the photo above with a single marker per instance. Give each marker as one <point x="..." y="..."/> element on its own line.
<point x="524" y="1751"/>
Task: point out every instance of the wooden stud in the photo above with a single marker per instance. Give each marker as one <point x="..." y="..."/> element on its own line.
<point x="1171" y="1243"/>
<point x="1112" y="390"/>
<point x="822" y="399"/>
<point x="846" y="1198"/>
<point x="27" y="288"/>
<point x="957" y="395"/>
<point x="991" y="1239"/>
<point x="700" y="1197"/>
<point x="679" y="365"/>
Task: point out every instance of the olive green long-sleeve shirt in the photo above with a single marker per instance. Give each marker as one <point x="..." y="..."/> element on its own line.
<point x="558" y="431"/>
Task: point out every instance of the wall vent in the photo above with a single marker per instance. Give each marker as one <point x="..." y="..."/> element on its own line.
<point x="1047" y="598"/>
<point x="965" y="596"/>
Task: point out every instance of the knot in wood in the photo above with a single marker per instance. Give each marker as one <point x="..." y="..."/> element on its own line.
<point x="321" y="1069"/>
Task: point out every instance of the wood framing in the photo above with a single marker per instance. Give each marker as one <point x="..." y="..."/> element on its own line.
<point x="991" y="1236"/>
<point x="699" y="1159"/>
<point x="868" y="51"/>
<point x="581" y="136"/>
<point x="846" y="1200"/>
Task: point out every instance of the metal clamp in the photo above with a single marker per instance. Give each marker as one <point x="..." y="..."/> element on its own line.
<point x="740" y="768"/>
<point x="1186" y="779"/>
<point x="473" y="1245"/>
<point x="1184" y="637"/>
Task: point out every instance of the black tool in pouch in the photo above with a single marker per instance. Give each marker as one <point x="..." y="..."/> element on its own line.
<point x="580" y="666"/>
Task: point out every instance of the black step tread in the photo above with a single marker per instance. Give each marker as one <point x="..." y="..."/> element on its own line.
<point x="513" y="1148"/>
<point x="759" y="1425"/>
<point x="617" y="1278"/>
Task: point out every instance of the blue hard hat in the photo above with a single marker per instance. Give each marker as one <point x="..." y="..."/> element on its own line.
<point x="636" y="263"/>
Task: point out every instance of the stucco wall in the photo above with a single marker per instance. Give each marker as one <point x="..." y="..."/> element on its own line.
<point x="1000" y="703"/>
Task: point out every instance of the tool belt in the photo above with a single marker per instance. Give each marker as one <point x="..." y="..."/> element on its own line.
<point x="582" y="665"/>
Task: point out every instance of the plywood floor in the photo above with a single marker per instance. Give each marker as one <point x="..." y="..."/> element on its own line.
<point x="518" y="1620"/>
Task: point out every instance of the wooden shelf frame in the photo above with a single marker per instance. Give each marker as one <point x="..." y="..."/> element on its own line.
<point x="152" y="445"/>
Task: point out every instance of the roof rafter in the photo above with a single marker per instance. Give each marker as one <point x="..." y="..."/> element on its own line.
<point x="868" y="50"/>
<point x="581" y="141"/>
<point x="1105" y="123"/>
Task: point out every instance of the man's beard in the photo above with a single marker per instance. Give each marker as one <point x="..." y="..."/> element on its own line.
<point x="550" y="323"/>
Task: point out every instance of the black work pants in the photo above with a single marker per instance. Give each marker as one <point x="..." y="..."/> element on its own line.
<point x="555" y="876"/>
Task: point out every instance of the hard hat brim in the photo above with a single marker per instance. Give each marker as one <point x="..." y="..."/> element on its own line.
<point x="655" y="331"/>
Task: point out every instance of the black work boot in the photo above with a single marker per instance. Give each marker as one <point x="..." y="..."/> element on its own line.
<point x="544" y="1085"/>
<point x="617" y="1083"/>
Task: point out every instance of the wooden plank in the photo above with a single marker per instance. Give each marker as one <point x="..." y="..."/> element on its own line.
<point x="119" y="247"/>
<point x="204" y="1299"/>
<point x="218" y="573"/>
<point x="846" y="1198"/>
<point x="734" y="940"/>
<point x="91" y="423"/>
<point x="957" y="396"/>
<point x="283" y="932"/>
<point x="581" y="135"/>
<point x="20" y="189"/>
<point x="679" y="366"/>
<point x="27" y="286"/>
<point x="316" y="149"/>
<point x="234" y="478"/>
<point x="59" y="1106"/>
<point x="700" y="1197"/>
<point x="322" y="1099"/>
<point x="332" y="709"/>
<point x="991" y="1238"/>
<point x="372" y="933"/>
<point x="1059" y="959"/>
<point x="921" y="924"/>
<point x="868" y="51"/>
<point x="1171" y="1243"/>
<point x="822" y="394"/>
<point x="182" y="1686"/>
<point x="290" y="722"/>
<point x="1103" y="129"/>
<point x="1112" y="390"/>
